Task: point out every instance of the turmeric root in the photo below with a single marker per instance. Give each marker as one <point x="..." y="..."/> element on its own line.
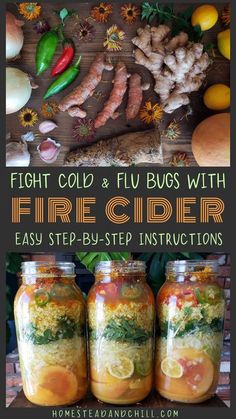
<point x="178" y="66"/>
<point x="115" y="98"/>
<point x="135" y="96"/>
<point x="71" y="103"/>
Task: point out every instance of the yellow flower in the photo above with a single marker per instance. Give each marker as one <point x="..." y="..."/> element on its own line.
<point x="30" y="11"/>
<point x="49" y="109"/>
<point x="101" y="12"/>
<point x="129" y="13"/>
<point x="28" y="117"/>
<point x="151" y="113"/>
<point x="114" y="38"/>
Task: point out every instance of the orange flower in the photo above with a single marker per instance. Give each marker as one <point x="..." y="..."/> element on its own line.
<point x="129" y="13"/>
<point x="101" y="12"/>
<point x="226" y="15"/>
<point x="179" y="159"/>
<point x="30" y="11"/>
<point x="49" y="109"/>
<point x="151" y="113"/>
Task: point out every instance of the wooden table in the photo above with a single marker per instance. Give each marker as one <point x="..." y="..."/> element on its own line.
<point x="218" y="73"/>
<point x="154" y="401"/>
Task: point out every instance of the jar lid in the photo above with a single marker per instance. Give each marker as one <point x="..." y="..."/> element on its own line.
<point x="45" y="267"/>
<point x="182" y="266"/>
<point x="121" y="266"/>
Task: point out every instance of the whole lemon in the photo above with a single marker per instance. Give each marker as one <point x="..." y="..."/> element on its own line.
<point x="223" y="39"/>
<point x="217" y="97"/>
<point x="205" y="16"/>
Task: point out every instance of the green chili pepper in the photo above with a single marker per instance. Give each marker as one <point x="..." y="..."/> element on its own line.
<point x="212" y="294"/>
<point x="200" y="298"/>
<point x="45" y="51"/>
<point x="64" y="80"/>
<point x="143" y="367"/>
<point x="41" y="298"/>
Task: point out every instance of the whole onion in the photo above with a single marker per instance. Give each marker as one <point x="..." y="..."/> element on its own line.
<point x="14" y="36"/>
<point x="18" y="89"/>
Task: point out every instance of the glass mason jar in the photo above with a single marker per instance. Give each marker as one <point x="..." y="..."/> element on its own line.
<point x="121" y="313"/>
<point x="190" y="308"/>
<point x="50" y="321"/>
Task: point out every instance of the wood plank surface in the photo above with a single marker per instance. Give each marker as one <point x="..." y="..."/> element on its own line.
<point x="154" y="401"/>
<point x="219" y="72"/>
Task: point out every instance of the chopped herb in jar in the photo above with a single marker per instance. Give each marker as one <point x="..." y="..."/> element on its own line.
<point x="125" y="330"/>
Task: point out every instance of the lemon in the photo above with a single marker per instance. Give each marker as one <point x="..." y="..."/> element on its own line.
<point x="205" y="16"/>
<point x="217" y="97"/>
<point x="223" y="41"/>
<point x="172" y="368"/>
<point x="121" y="368"/>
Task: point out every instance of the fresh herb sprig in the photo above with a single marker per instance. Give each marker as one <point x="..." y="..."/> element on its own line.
<point x="123" y="330"/>
<point x="67" y="328"/>
<point x="180" y="21"/>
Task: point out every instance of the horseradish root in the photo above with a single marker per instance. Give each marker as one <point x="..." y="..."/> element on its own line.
<point x="72" y="102"/>
<point x="115" y="98"/>
<point x="129" y="149"/>
<point x="177" y="65"/>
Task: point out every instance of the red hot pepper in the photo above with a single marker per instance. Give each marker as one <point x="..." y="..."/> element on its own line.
<point x="65" y="59"/>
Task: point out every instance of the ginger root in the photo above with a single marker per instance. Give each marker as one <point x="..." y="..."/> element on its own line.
<point x="135" y="96"/>
<point x="71" y="103"/>
<point x="177" y="65"/>
<point x="115" y="98"/>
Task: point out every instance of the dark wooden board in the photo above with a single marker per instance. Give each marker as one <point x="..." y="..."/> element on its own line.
<point x="218" y="73"/>
<point x="154" y="401"/>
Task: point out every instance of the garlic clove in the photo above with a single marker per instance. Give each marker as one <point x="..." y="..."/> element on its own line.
<point x="28" y="136"/>
<point x="17" y="154"/>
<point x="47" y="126"/>
<point x="48" y="150"/>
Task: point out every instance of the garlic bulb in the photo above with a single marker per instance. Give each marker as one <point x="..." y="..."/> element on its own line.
<point x="48" y="150"/>
<point x="17" y="154"/>
<point x="47" y="126"/>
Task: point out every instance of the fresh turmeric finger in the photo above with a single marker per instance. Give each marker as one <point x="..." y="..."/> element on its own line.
<point x="116" y="96"/>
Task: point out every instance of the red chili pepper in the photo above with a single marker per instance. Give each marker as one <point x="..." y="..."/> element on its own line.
<point x="65" y="59"/>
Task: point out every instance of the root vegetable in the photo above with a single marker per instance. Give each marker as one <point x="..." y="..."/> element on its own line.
<point x="71" y="103"/>
<point x="17" y="154"/>
<point x="133" y="148"/>
<point x="14" y="36"/>
<point x="178" y="66"/>
<point x="135" y="96"/>
<point x="115" y="98"/>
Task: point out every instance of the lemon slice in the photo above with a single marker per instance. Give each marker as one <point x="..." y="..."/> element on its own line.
<point x="121" y="368"/>
<point x="172" y="368"/>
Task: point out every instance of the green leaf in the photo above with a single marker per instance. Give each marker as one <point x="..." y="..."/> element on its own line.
<point x="90" y="259"/>
<point x="13" y="263"/>
<point x="63" y="14"/>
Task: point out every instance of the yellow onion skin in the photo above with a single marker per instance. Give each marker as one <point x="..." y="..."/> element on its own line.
<point x="18" y="89"/>
<point x="14" y="36"/>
